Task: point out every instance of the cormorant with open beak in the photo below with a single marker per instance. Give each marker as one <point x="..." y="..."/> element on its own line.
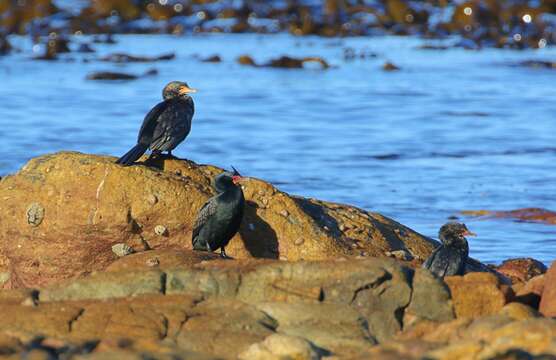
<point x="219" y="219"/>
<point x="449" y="258"/>
<point x="166" y="125"/>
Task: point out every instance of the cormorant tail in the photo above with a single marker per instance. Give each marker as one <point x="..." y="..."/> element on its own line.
<point x="132" y="155"/>
<point x="200" y="245"/>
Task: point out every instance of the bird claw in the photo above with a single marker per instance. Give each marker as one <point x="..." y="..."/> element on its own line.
<point x="223" y="255"/>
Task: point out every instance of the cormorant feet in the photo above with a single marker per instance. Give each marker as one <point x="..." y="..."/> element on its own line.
<point x="169" y="155"/>
<point x="223" y="254"/>
<point x="154" y="155"/>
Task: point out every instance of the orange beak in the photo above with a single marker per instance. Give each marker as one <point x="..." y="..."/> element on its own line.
<point x="186" y="90"/>
<point x="469" y="233"/>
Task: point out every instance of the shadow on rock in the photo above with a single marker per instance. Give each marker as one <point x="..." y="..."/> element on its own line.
<point x="259" y="238"/>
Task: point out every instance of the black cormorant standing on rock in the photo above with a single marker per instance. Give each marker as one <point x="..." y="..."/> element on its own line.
<point x="166" y="125"/>
<point x="219" y="219"/>
<point x="449" y="258"/>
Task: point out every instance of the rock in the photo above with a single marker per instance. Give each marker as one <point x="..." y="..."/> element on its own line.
<point x="538" y="64"/>
<point x="477" y="294"/>
<point x="388" y="66"/>
<point x="333" y="327"/>
<point x="161" y="230"/>
<point x="293" y="63"/>
<point x="525" y="214"/>
<point x="519" y="311"/>
<point x="90" y="203"/>
<point x="85" y="48"/>
<point x="246" y="60"/>
<point x="212" y="59"/>
<point x="126" y="9"/>
<point x="224" y="328"/>
<point x="5" y="46"/>
<point x="530" y="293"/>
<point x="285" y="62"/>
<point x="400" y="255"/>
<point x="278" y="347"/>
<point x="35" y="214"/>
<point x="430" y="299"/>
<point x="482" y="338"/>
<point x="521" y="269"/>
<point x="547" y="305"/>
<point x="378" y="289"/>
<point x="126" y="58"/>
<point x="122" y="249"/>
<point x="108" y="75"/>
<point x="106" y="285"/>
<point x="54" y="46"/>
<point x="4" y="277"/>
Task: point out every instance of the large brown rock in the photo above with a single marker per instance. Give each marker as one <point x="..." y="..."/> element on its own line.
<point x="341" y="295"/>
<point x="521" y="269"/>
<point x="255" y="309"/>
<point x="482" y="338"/>
<point x="530" y="293"/>
<point x="548" y="299"/>
<point x="478" y="294"/>
<point x="378" y="289"/>
<point x="61" y="214"/>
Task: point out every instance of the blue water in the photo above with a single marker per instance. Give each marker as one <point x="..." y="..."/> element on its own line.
<point x="453" y="130"/>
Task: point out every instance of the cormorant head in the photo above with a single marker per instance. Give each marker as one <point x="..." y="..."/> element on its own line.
<point x="454" y="233"/>
<point x="227" y="180"/>
<point x="176" y="89"/>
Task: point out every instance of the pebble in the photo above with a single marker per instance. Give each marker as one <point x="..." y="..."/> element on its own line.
<point x="299" y="241"/>
<point x="161" y="230"/>
<point x="284" y="213"/>
<point x="152" y="199"/>
<point x="35" y="214"/>
<point x="152" y="262"/>
<point x="122" y="249"/>
<point x="400" y="254"/>
<point x="29" y="302"/>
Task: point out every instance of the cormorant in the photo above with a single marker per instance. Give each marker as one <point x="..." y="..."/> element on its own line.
<point x="166" y="125"/>
<point x="449" y="258"/>
<point x="219" y="219"/>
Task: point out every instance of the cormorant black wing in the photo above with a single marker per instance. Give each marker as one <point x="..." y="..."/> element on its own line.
<point x="445" y="261"/>
<point x="428" y="263"/>
<point x="208" y="210"/>
<point x="174" y="124"/>
<point x="148" y="127"/>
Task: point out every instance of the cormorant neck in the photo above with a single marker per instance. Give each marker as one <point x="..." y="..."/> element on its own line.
<point x="454" y="241"/>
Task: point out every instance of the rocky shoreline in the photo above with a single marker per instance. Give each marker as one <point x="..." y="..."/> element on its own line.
<point x="95" y="262"/>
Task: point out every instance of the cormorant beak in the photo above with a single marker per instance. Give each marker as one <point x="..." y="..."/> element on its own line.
<point x="186" y="90"/>
<point x="469" y="233"/>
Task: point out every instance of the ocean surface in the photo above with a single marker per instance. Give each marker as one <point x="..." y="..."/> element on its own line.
<point x="452" y="130"/>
